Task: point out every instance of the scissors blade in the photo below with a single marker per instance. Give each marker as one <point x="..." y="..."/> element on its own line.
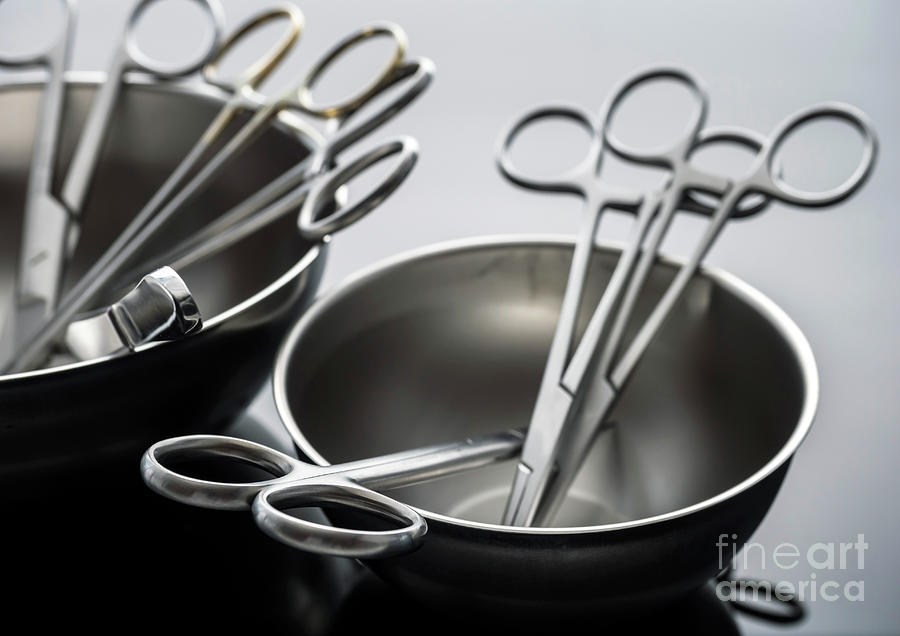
<point x="41" y="265"/>
<point x="537" y="463"/>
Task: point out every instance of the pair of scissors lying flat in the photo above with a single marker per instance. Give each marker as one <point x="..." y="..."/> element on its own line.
<point x="578" y="392"/>
<point x="298" y="484"/>
<point x="347" y="125"/>
<point x="50" y="228"/>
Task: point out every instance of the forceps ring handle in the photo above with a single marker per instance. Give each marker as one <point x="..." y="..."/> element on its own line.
<point x="575" y="180"/>
<point x="668" y="155"/>
<point x="385" y="29"/>
<point x="254" y="74"/>
<point x="768" y="179"/>
<point x="213" y="11"/>
<point x="314" y="227"/>
<point x="331" y="540"/>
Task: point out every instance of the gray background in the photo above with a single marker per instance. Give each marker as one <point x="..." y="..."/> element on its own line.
<point x="833" y="271"/>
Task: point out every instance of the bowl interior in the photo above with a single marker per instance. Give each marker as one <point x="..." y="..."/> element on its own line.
<point x="151" y="131"/>
<point x="454" y="343"/>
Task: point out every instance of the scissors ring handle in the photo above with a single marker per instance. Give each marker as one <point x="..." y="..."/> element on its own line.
<point x="254" y="74"/>
<point x="665" y="156"/>
<point x="213" y="10"/>
<point x="212" y="494"/>
<point x="313" y="226"/>
<point x="575" y="179"/>
<point x="701" y="203"/>
<point x="384" y="29"/>
<point x="323" y="539"/>
<point x="769" y="180"/>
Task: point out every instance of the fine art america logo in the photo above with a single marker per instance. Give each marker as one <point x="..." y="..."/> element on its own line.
<point x="821" y="571"/>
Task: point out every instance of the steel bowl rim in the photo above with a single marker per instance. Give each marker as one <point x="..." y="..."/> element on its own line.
<point x="745" y="292"/>
<point x="307" y="135"/>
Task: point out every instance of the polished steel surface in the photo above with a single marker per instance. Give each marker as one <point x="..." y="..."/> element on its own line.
<point x="106" y="411"/>
<point x="448" y="342"/>
<point x="159" y="308"/>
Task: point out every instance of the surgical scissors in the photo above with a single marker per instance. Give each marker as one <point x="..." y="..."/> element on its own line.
<point x="50" y="229"/>
<point x="586" y="390"/>
<point x="291" y="186"/>
<point x="296" y="483"/>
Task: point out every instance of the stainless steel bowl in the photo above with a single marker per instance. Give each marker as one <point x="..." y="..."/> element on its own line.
<point x="450" y="341"/>
<point x="57" y="422"/>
